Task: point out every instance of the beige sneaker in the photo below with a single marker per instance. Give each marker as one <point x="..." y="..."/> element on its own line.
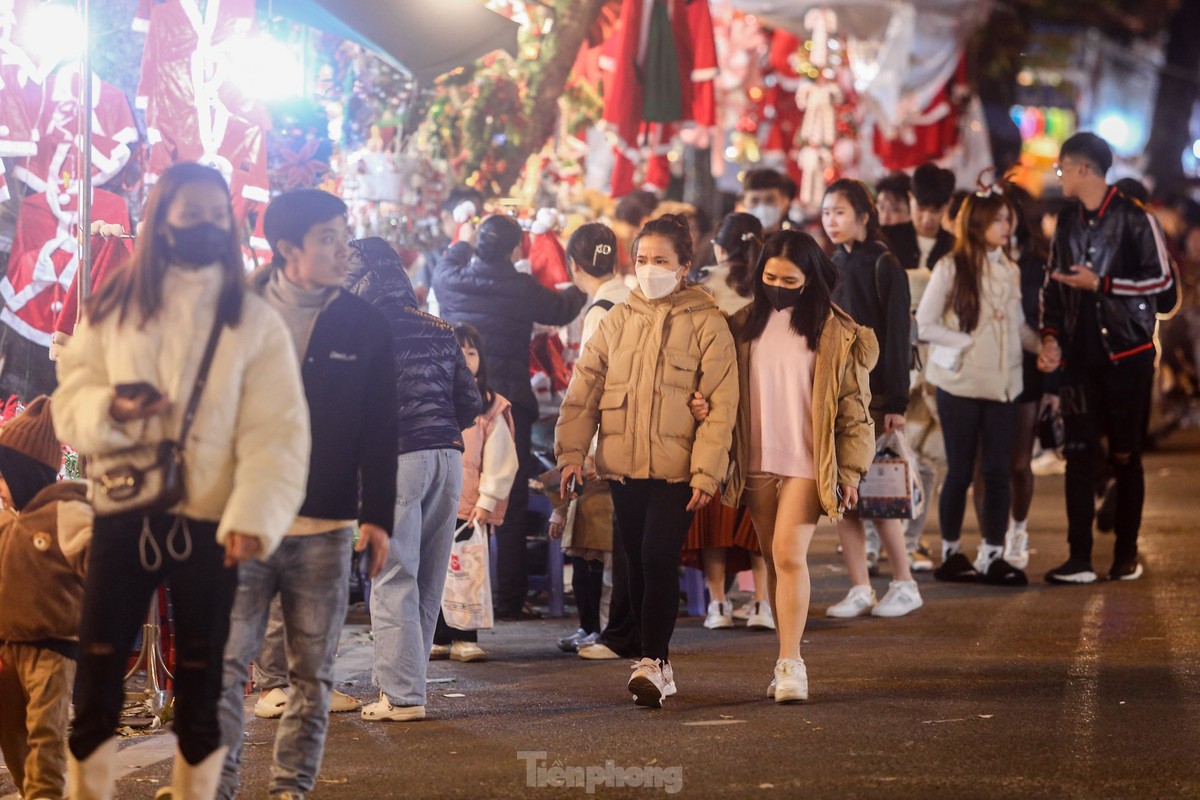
<point x="791" y="680"/>
<point x="383" y="710"/>
<point x="340" y="702"/>
<point x="439" y="652"/>
<point x="271" y="704"/>
<point x="466" y="652"/>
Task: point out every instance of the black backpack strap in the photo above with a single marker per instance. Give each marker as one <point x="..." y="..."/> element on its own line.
<point x="606" y="305"/>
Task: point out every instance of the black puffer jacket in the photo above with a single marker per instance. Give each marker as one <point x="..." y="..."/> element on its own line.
<point x="437" y="394"/>
<point x="503" y="304"/>
<point x="1125" y="248"/>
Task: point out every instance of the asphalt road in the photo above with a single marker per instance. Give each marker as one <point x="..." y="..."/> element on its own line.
<point x="1056" y="692"/>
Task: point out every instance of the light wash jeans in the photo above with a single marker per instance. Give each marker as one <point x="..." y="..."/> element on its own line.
<point x="311" y="576"/>
<point x="270" y="668"/>
<point x="407" y="595"/>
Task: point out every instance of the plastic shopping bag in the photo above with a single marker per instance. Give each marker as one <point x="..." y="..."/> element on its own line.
<point x="891" y="488"/>
<point x="467" y="598"/>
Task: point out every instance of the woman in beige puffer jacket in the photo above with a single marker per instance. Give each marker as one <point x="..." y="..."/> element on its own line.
<point x="633" y="382"/>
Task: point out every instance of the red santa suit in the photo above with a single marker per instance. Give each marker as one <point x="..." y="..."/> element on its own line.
<point x="780" y="106"/>
<point x="108" y="253"/>
<point x="193" y="110"/>
<point x="113" y="132"/>
<point x="45" y="257"/>
<point x="626" y="51"/>
<point x="927" y="135"/>
<point x="20" y="102"/>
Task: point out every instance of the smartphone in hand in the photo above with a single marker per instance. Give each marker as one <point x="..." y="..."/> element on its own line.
<point x="575" y="485"/>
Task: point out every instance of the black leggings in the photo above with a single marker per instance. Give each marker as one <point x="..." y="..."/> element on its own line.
<point x="123" y="574"/>
<point x="976" y="428"/>
<point x="654" y="522"/>
<point x="587" y="581"/>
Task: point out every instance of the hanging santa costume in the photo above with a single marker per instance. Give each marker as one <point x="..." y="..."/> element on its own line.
<point x="45" y="258"/>
<point x="664" y="62"/>
<point x="193" y="113"/>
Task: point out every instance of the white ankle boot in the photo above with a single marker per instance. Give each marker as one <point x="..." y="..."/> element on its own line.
<point x="195" y="781"/>
<point x="93" y="778"/>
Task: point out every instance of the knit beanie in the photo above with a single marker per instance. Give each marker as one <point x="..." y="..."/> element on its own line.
<point x="31" y="433"/>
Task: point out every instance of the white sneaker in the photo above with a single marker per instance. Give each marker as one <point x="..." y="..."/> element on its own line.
<point x="466" y="652"/>
<point x="271" y="704"/>
<point x="761" y="618"/>
<point x="383" y="709"/>
<point x="720" y="615"/>
<point x="858" y="603"/>
<point x="668" y="679"/>
<point x="771" y="688"/>
<point x="791" y="681"/>
<point x="340" y="701"/>
<point x="1016" y="548"/>
<point x="439" y="652"/>
<point x="647" y="684"/>
<point x="744" y="610"/>
<point x="598" y="652"/>
<point x="902" y="597"/>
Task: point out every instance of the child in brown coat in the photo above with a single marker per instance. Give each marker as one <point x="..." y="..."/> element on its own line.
<point x="45" y="527"/>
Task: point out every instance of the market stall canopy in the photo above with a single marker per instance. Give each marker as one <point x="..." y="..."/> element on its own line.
<point x="424" y="38"/>
<point x="901" y="53"/>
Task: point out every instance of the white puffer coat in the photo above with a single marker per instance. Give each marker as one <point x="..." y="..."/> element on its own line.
<point x="246" y="457"/>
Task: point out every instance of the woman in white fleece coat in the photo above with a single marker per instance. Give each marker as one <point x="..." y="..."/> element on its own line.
<point x="245" y="464"/>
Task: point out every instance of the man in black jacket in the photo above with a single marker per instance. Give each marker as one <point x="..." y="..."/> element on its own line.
<point x="481" y="286"/>
<point x="345" y="352"/>
<point x="1108" y="266"/>
<point x="438" y="399"/>
<point x="921" y="243"/>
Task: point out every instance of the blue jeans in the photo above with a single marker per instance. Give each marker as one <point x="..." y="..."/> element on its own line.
<point x="270" y="668"/>
<point x="407" y="595"/>
<point x="311" y="576"/>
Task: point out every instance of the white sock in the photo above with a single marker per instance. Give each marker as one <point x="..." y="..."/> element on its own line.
<point x="1017" y="527"/>
<point x="987" y="554"/>
<point x="949" y="549"/>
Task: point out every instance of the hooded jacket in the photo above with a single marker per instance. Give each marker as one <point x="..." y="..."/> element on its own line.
<point x="843" y="434"/>
<point x="349" y="383"/>
<point x="436" y="395"/>
<point x="1125" y="248"/>
<point x="503" y="304"/>
<point x="633" y="382"/>
<point x="43" y="556"/>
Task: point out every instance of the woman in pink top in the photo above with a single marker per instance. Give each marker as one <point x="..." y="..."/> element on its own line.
<point x="803" y="437"/>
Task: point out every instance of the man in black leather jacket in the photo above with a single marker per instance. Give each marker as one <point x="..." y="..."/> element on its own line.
<point x="1108" y="265"/>
<point x="438" y="399"/>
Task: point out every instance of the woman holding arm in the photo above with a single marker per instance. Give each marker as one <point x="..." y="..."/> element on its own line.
<point x="633" y="382"/>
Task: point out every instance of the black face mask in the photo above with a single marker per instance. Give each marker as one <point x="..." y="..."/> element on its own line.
<point x="197" y="245"/>
<point x="780" y="297"/>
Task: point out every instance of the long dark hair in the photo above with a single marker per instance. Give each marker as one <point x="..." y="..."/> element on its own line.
<point x="469" y="336"/>
<point x="669" y="226"/>
<point x="979" y="211"/>
<point x="138" y="285"/>
<point x="741" y="237"/>
<point x="820" y="276"/>
<point x="859" y="197"/>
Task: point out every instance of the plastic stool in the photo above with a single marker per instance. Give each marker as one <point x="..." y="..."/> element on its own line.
<point x="696" y="591"/>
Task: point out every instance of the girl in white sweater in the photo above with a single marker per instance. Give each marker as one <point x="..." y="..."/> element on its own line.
<point x="125" y="380"/>
<point x="971" y="316"/>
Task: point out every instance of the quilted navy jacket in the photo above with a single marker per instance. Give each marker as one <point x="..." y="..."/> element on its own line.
<point x="437" y="395"/>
